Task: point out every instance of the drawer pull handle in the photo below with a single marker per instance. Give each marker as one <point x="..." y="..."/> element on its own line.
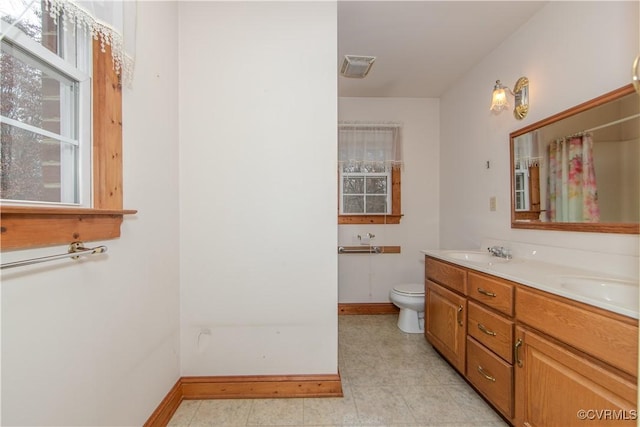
<point x="517" y="350"/>
<point x="460" y="308"/>
<point x="487" y="293"/>
<point x="484" y="374"/>
<point x="485" y="330"/>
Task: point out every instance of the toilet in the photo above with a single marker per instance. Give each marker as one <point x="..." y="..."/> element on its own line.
<point x="409" y="298"/>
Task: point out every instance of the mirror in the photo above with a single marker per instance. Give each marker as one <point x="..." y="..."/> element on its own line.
<point x="579" y="170"/>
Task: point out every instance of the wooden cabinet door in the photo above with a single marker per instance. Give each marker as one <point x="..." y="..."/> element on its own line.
<point x="446" y="323"/>
<point x="556" y="386"/>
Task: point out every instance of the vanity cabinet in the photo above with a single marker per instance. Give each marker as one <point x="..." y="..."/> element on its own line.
<point x="538" y="358"/>
<point x="468" y="319"/>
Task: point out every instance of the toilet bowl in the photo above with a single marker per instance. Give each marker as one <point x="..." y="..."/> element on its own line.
<point x="409" y="298"/>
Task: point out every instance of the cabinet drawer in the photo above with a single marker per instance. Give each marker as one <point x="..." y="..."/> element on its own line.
<point x="606" y="336"/>
<point x="492" y="330"/>
<point x="446" y="274"/>
<point x="491" y="375"/>
<point x="493" y="292"/>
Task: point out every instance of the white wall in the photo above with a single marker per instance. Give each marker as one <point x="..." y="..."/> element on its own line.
<point x="258" y="125"/>
<point x="369" y="278"/>
<point x="571" y="52"/>
<point x="95" y="342"/>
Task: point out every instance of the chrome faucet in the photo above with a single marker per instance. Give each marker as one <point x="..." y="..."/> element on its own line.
<point x="500" y="251"/>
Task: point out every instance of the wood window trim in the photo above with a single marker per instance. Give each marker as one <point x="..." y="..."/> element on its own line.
<point x="25" y="227"/>
<point x="393" y="218"/>
<point x="534" y="196"/>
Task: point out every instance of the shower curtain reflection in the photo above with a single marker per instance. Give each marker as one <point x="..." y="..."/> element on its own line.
<point x="572" y="190"/>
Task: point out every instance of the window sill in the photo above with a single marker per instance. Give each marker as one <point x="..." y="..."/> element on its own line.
<point x="369" y="219"/>
<point x="527" y="215"/>
<point x="26" y="227"/>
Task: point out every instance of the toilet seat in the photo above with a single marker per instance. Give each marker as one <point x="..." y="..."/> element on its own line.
<point x="409" y="289"/>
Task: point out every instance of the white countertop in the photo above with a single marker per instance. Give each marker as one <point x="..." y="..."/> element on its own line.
<point x="556" y="279"/>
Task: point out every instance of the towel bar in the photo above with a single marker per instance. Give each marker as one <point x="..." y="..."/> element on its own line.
<point x="76" y="250"/>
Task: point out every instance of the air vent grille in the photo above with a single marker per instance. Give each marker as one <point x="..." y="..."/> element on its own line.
<point x="356" y="66"/>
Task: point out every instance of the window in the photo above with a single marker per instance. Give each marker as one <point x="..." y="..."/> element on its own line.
<point x="45" y="114"/>
<point x="365" y="190"/>
<point x="526" y="191"/>
<point x="370" y="156"/>
<point x="74" y="202"/>
<point x="522" y="189"/>
<point x="526" y="182"/>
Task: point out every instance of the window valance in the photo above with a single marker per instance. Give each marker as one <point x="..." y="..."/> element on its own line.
<point x="113" y="22"/>
<point x="374" y="145"/>
<point x="527" y="150"/>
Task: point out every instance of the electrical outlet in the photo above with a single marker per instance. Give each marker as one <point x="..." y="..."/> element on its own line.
<point x="492" y="203"/>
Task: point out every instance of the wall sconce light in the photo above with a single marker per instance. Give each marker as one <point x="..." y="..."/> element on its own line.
<point x="520" y="92"/>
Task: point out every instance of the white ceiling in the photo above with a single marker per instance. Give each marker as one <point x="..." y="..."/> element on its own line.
<point x="422" y="47"/>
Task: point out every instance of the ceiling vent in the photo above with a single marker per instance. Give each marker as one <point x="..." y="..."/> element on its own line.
<point x="356" y="66"/>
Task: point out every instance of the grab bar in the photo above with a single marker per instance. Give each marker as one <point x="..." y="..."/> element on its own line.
<point x="76" y="250"/>
<point x="364" y="250"/>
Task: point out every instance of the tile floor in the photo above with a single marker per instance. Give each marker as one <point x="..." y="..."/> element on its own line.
<point x="389" y="378"/>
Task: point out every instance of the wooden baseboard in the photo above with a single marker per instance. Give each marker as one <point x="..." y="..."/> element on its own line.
<point x="368" y="308"/>
<point x="163" y="413"/>
<point x="244" y="387"/>
<point x="260" y="387"/>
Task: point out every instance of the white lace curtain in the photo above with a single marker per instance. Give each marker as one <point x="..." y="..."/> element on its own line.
<point x="374" y="147"/>
<point x="527" y="151"/>
<point x="113" y="22"/>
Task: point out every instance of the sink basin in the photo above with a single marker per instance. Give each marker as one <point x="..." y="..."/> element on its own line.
<point x="475" y="256"/>
<point x="622" y="292"/>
